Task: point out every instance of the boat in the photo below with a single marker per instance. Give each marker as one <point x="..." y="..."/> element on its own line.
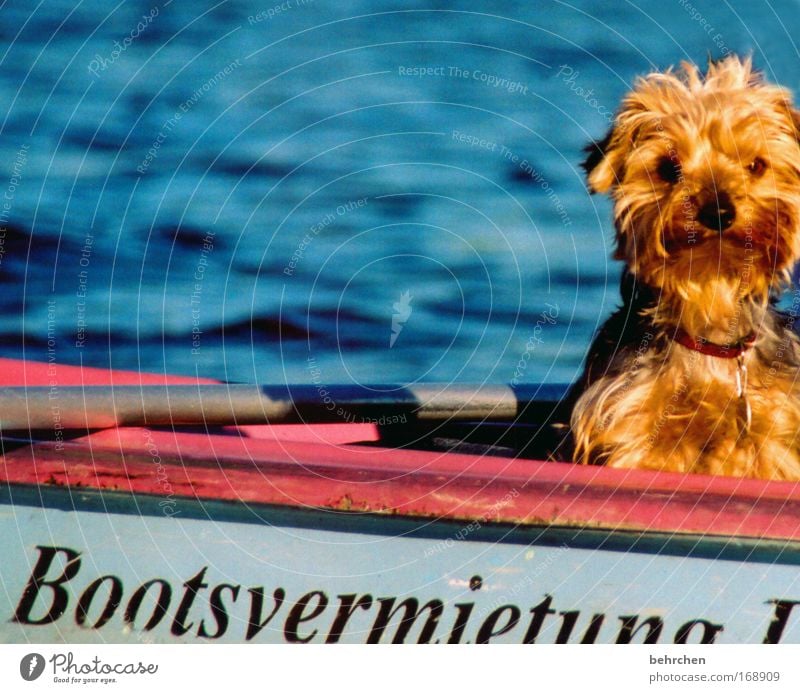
<point x="354" y="529"/>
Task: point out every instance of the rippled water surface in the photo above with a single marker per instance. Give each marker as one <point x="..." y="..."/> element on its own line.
<point x="391" y="190"/>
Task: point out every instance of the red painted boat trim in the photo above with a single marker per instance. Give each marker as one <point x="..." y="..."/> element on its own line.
<point x="14" y="372"/>
<point x="309" y="467"/>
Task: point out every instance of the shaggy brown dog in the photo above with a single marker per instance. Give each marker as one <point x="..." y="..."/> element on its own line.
<point x="697" y="372"/>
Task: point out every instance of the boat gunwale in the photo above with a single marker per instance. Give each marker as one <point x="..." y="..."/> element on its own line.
<point x="371" y="479"/>
<point x="445" y="530"/>
<point x="272" y="465"/>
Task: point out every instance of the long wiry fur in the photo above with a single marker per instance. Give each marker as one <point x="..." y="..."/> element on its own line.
<point x="681" y="141"/>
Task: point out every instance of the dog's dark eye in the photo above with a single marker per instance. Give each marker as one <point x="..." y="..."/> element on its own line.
<point x="669" y="170"/>
<point x="757" y="166"/>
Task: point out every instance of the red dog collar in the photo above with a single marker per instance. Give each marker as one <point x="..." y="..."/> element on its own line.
<point x="707" y="348"/>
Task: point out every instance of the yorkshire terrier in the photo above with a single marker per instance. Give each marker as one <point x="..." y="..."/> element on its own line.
<point x="698" y="372"/>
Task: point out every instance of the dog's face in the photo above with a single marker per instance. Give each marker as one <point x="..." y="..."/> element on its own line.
<point x="704" y="171"/>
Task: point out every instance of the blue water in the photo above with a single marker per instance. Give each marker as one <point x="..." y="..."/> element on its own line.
<point x="386" y="191"/>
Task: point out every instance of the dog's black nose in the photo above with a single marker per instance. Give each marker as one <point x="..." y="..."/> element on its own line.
<point x="717" y="214"/>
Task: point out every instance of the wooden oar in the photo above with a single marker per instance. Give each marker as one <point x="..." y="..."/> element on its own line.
<point x="92" y="407"/>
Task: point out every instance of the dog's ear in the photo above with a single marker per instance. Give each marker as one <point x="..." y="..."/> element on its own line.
<point x="794" y="113"/>
<point x="603" y="166"/>
<point x="605" y="160"/>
